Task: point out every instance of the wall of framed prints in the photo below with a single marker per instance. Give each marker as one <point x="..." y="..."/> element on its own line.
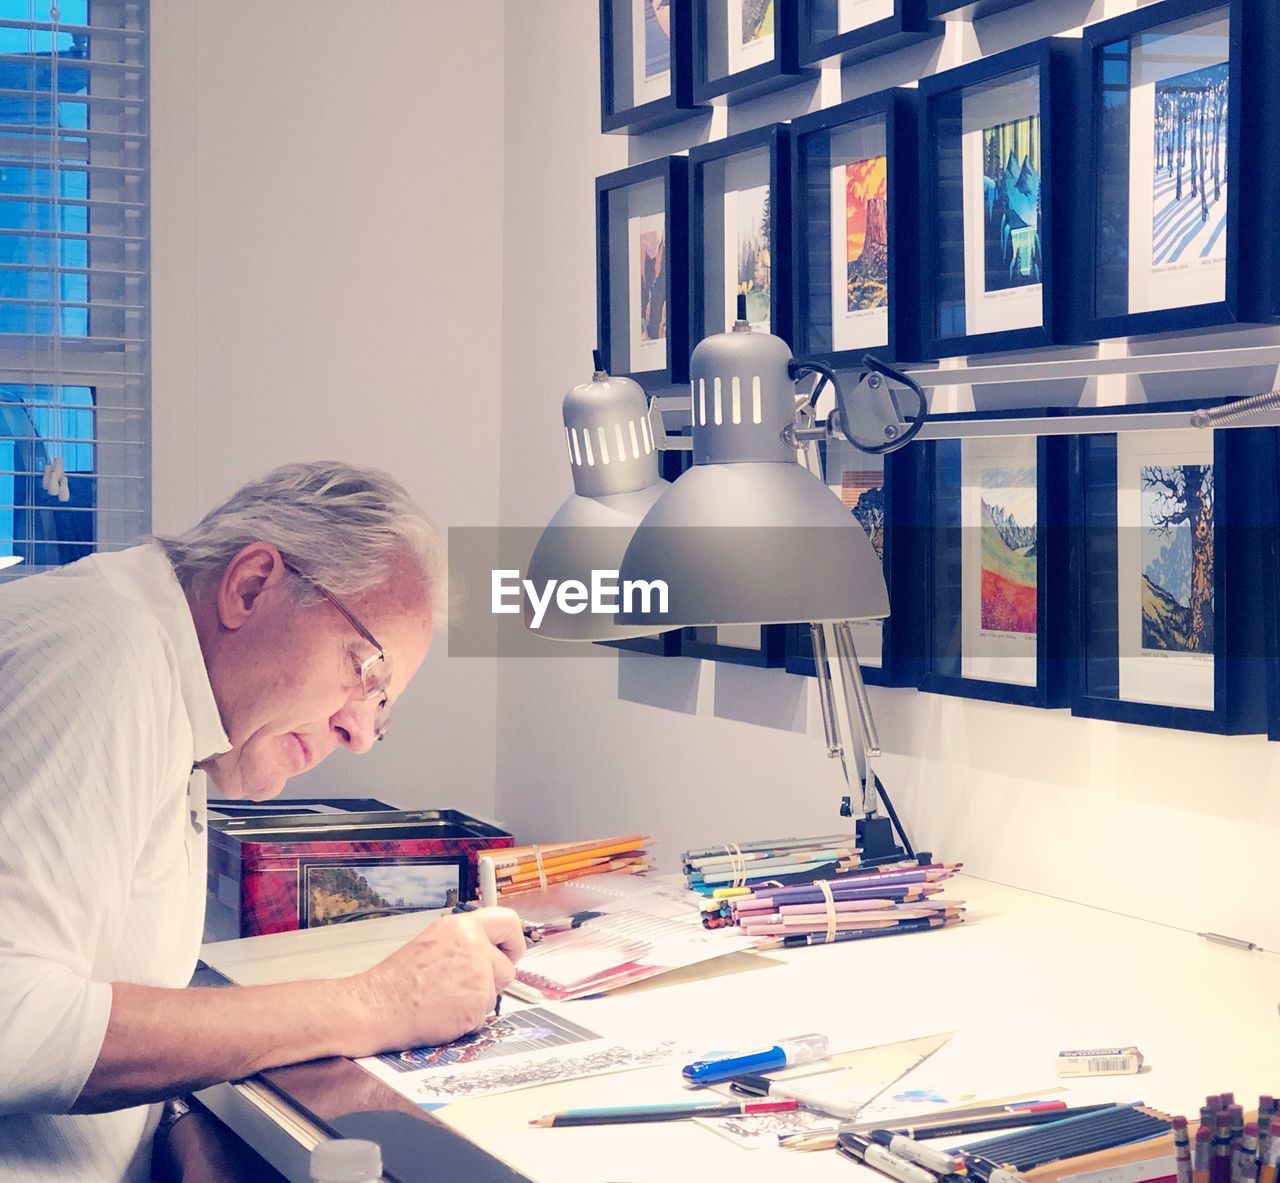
<point x="1018" y="788"/>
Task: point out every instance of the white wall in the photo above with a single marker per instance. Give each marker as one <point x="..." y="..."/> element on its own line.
<point x="1174" y="826"/>
<point x="328" y="189"/>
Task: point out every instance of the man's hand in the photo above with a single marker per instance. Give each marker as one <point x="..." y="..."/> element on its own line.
<point x="442" y="984"/>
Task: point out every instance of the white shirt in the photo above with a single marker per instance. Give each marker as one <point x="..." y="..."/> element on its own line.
<point x="105" y="705"/>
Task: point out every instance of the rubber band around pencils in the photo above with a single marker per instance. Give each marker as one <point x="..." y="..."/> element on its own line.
<point x="825" y="887"/>
<point x="542" y="873"/>
<point x="737" y="864"/>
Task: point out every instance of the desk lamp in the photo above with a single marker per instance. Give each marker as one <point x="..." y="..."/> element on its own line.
<point x="614" y="458"/>
<point x="750" y="536"/>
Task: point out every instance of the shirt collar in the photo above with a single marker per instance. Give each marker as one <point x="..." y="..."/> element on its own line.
<point x="144" y="573"/>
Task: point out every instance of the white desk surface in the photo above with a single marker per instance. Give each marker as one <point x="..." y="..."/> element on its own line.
<point x="1025" y="976"/>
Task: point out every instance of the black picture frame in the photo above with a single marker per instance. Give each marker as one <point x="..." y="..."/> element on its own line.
<point x="616" y="194"/>
<point x="941" y="562"/>
<point x="813" y="316"/>
<point x="762" y="152"/>
<point x="946" y="330"/>
<point x="1244" y="461"/>
<point x="751" y="81"/>
<point x="900" y="644"/>
<point x="648" y="114"/>
<point x="972" y="10"/>
<point x="1107" y="298"/>
<point x="1260" y="200"/>
<point x="823" y="43"/>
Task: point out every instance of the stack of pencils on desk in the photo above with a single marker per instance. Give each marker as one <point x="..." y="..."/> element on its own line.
<point x="519" y="869"/>
<point x="718" y="869"/>
<point x="855" y="905"/>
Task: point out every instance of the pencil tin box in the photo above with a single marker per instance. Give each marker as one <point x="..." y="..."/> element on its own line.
<point x="279" y="873"/>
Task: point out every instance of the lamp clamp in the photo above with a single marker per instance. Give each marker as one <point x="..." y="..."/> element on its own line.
<point x="870" y="417"/>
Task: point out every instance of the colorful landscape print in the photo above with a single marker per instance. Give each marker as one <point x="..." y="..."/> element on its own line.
<point x="340" y="893"/>
<point x="518" y="1033"/>
<point x="1177" y="557"/>
<point x="1011" y="192"/>
<point x="1189" y="219"/>
<point x="1008" y="528"/>
<point x="753" y="252"/>
<point x="862" y="491"/>
<point x="653" y="285"/>
<point x="867" y="229"/>
<point x="757" y="20"/>
<point x="657" y="37"/>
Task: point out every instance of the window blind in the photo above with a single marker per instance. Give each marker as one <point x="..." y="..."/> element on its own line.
<point x="74" y="279"/>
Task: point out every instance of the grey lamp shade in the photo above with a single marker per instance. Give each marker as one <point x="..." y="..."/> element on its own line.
<point x="614" y="460"/>
<point x="588" y="535"/>
<point x="748" y="536"/>
<point x="753" y="543"/>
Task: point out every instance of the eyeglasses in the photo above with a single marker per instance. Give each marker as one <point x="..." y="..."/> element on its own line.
<point x="373" y="671"/>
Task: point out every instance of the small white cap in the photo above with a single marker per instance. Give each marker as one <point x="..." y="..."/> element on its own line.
<point x="346" y="1160"/>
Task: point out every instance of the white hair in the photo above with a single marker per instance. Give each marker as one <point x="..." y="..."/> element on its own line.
<point x="343" y="527"/>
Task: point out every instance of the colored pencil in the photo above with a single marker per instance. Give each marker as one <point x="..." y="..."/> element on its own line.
<point x="626" y="1114"/>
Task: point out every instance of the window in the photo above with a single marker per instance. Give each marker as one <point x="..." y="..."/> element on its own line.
<point x="74" y="350"/>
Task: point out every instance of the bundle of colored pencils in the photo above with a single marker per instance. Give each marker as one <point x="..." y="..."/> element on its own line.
<point x="857" y="905"/>
<point x="1229" y="1145"/>
<point x="718" y="869"/>
<point x="519" y="869"/>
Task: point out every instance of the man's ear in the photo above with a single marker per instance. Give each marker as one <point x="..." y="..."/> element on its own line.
<point x="255" y="571"/>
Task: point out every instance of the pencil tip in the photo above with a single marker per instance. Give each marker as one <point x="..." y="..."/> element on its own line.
<point x="541" y="1121"/>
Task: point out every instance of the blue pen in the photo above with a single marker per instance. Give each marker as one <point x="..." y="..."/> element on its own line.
<point x="801" y="1049"/>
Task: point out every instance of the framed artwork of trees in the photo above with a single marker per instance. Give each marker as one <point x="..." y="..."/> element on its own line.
<point x="1171" y="228"/>
<point x="1169" y="553"/>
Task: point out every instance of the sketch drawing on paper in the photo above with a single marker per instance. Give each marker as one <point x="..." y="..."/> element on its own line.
<point x="1008" y="529"/>
<point x="1177" y="557"/>
<point x="757" y="21"/>
<point x="653" y="285"/>
<point x="526" y="1073"/>
<point x="862" y="491"/>
<point x="515" y="1034"/>
<point x="753" y="251"/>
<point x="867" y="226"/>
<point x="1189" y="219"/>
<point x="1011" y="193"/>
<point x="657" y="37"/>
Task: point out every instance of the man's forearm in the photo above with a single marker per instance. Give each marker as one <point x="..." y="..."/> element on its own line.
<point x="161" y="1042"/>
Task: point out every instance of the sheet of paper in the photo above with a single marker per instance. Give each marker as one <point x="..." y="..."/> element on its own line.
<point x="525" y="1047"/>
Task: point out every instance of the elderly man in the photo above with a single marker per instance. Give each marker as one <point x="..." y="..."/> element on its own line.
<point x="284" y="625"/>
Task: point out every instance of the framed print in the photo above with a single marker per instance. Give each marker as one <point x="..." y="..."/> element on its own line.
<point x="848" y="31"/>
<point x="745" y="48"/>
<point x="1164" y="239"/>
<point x="991" y="134"/>
<point x="761" y="645"/>
<point x="996" y="556"/>
<point x="1169" y="597"/>
<point x="646" y="64"/>
<point x="854" y="230"/>
<point x="878" y="490"/>
<point x="740" y="206"/>
<point x="642" y="263"/>
<point x="971" y="10"/>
